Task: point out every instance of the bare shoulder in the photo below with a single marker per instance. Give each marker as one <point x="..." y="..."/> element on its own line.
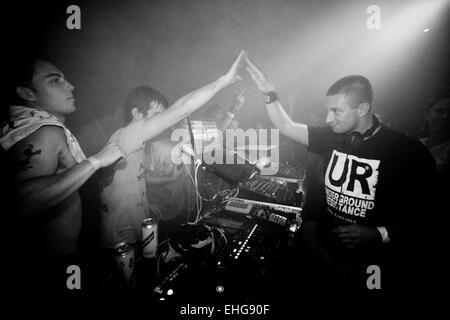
<point x="51" y="138"/>
<point x="38" y="154"/>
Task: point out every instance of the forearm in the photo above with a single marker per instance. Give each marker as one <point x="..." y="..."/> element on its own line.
<point x="295" y="131"/>
<point x="277" y="115"/>
<point x="181" y="109"/>
<point x="38" y="195"/>
<point x="282" y="121"/>
<point x="198" y="98"/>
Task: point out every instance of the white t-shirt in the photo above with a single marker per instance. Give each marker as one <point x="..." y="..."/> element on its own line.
<point x="124" y="201"/>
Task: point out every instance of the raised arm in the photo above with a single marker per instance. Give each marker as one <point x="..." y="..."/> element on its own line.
<point x="238" y="101"/>
<point x="42" y="176"/>
<point x="281" y="120"/>
<point x="191" y="102"/>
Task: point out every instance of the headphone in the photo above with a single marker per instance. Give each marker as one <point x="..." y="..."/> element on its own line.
<point x="354" y="139"/>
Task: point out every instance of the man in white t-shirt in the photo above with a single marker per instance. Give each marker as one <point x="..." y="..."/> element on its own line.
<point x="43" y="171"/>
<point x="124" y="200"/>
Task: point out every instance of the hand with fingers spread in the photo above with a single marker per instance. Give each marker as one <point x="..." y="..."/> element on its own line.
<point x="262" y="81"/>
<point x="357" y="236"/>
<point x="232" y="75"/>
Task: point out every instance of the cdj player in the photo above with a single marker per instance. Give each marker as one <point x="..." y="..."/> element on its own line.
<point x="273" y="190"/>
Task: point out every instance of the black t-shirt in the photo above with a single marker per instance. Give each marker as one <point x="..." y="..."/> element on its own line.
<point x="386" y="180"/>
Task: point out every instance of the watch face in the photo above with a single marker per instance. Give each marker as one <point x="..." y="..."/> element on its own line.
<point x="270" y="97"/>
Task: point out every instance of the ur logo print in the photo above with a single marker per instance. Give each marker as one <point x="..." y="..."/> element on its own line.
<point x="350" y="184"/>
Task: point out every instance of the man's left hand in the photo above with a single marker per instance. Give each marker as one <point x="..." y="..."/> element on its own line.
<point x="357" y="236"/>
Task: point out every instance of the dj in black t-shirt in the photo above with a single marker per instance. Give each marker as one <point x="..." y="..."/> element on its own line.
<point x="383" y="181"/>
<point x="378" y="185"/>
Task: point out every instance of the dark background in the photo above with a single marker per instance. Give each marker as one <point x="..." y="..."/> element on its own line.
<point x="178" y="46"/>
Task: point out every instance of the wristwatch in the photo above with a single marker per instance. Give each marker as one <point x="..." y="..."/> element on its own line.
<point x="270" y="97"/>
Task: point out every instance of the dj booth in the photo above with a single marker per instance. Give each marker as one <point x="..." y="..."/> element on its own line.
<point x="236" y="251"/>
<point x="240" y="248"/>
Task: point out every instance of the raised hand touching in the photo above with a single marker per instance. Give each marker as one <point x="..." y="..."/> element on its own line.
<point x="262" y="81"/>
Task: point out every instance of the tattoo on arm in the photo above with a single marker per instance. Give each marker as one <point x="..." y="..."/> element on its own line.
<point x="25" y="164"/>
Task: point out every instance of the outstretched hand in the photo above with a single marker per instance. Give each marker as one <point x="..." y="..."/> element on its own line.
<point x="357" y="236"/>
<point x="232" y="75"/>
<point x="262" y="81"/>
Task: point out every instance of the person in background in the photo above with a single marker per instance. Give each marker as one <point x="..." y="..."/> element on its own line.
<point x="223" y="118"/>
<point x="168" y="186"/>
<point x="124" y="200"/>
<point x="437" y="120"/>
